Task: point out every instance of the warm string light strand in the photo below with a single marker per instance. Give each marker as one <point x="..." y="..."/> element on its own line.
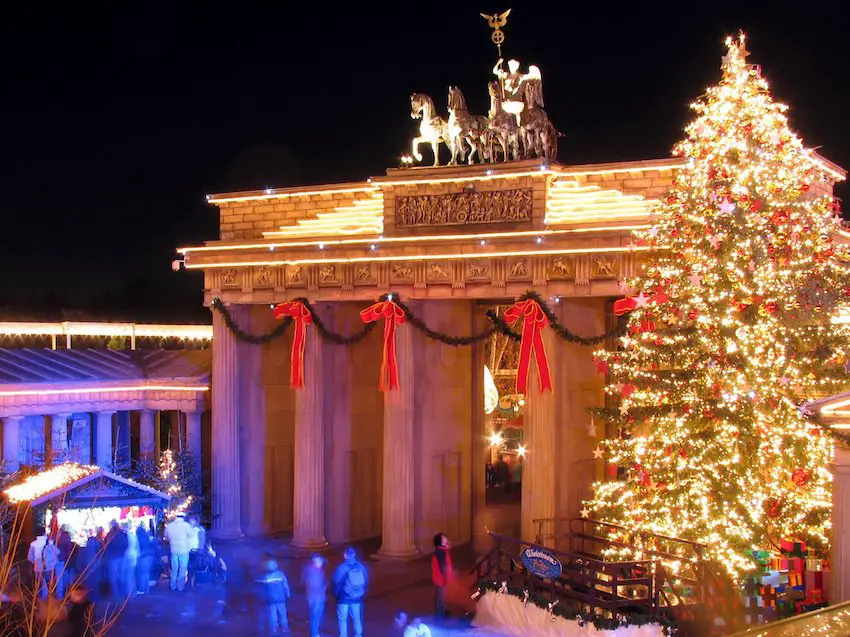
<point x="180" y="502"/>
<point x="730" y="334"/>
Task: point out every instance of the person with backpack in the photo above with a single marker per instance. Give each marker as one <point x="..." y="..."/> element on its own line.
<point x="50" y="560"/>
<point x="350" y="582"/>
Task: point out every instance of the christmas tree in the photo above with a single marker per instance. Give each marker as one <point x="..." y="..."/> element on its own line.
<point x="729" y="334"/>
<point x="171" y="482"/>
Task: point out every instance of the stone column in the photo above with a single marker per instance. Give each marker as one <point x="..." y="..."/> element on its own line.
<point x="226" y="487"/>
<point x="147" y="436"/>
<point x="397" y="539"/>
<point x="579" y="389"/>
<point x="59" y="435"/>
<point x="12" y="443"/>
<point x="103" y="442"/>
<point x="193" y="435"/>
<point x="538" y="474"/>
<point x="122" y="439"/>
<point x="309" y="463"/>
<point x="839" y="563"/>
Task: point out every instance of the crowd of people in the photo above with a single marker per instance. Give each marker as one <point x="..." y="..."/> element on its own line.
<point x="116" y="564"/>
<point x="349" y="585"/>
<point x="121" y="563"/>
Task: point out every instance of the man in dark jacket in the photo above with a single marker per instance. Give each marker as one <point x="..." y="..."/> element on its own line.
<point x="114" y="551"/>
<point x="316" y="586"/>
<point x="275" y="593"/>
<point x="350" y="582"/>
<point x="88" y="567"/>
<point x="147" y="551"/>
<point x="65" y="567"/>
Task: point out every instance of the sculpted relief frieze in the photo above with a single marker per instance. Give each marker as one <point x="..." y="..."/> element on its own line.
<point x="461" y="208"/>
<point x="493" y="271"/>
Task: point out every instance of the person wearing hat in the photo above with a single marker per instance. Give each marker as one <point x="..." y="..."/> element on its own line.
<point x="178" y="533"/>
<point x="275" y="595"/>
<point x="315" y="586"/>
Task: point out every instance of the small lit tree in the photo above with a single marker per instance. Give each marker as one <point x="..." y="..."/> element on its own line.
<point x="172" y="481"/>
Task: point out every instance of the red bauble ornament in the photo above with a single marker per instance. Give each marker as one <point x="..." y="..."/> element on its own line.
<point x="772" y="507"/>
<point x="692" y="315"/>
<point x="800" y="477"/>
<point x="771" y="307"/>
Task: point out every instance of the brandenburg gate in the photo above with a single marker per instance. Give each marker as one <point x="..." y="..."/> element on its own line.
<point x="339" y="460"/>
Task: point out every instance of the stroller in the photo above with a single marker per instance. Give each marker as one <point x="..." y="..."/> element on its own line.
<point x="207" y="567"/>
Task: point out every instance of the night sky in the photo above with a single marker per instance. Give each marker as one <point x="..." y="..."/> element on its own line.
<point x="115" y="122"/>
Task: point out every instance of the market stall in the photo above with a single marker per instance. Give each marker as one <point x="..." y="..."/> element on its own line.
<point x="83" y="498"/>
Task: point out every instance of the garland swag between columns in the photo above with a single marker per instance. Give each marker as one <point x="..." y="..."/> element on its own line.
<point x="498" y="325"/>
<point x="530" y="307"/>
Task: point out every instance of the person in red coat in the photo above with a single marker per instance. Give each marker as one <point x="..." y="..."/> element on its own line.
<point x="441" y="572"/>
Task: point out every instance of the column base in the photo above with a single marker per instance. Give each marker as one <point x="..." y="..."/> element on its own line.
<point x="397" y="556"/>
<point x="233" y="533"/>
<point x="302" y="548"/>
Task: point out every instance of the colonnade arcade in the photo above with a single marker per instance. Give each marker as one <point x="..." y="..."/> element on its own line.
<point x="99" y="406"/>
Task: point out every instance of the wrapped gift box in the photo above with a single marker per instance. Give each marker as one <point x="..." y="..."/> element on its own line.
<point x="814" y="580"/>
<point x="774" y="578"/>
<point x="791" y="548"/>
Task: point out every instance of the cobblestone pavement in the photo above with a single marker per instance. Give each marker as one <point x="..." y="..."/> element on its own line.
<point x="212" y="612"/>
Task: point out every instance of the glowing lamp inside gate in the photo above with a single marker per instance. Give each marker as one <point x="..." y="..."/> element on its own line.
<point x="491" y="393"/>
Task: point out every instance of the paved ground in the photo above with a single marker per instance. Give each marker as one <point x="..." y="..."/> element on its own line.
<point x="394" y="587"/>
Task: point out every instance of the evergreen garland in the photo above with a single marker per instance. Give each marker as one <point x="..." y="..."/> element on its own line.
<point x="567" y="335"/>
<point x="244" y="336"/>
<point x="498" y="325"/>
<point x="600" y="623"/>
<point x="333" y="337"/>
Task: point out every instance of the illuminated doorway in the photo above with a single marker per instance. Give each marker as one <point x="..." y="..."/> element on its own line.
<point x="503" y="424"/>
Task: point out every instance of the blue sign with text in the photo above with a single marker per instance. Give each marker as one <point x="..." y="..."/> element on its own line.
<point x="541" y="563"/>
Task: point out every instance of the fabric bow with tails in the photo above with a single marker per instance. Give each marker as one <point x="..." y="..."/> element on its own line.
<point x="300" y="313"/>
<point x="534" y="320"/>
<point x="393" y="316"/>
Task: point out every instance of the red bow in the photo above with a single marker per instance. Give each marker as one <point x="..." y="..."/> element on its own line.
<point x="393" y="315"/>
<point x="531" y="344"/>
<point x="298" y="311"/>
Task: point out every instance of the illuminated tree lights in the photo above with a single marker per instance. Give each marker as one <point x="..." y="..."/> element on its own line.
<point x="730" y="333"/>
<point x="171" y="483"/>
